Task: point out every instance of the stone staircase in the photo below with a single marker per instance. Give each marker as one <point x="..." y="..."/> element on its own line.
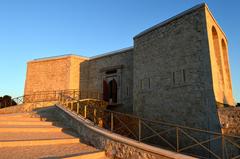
<point x="31" y="136"/>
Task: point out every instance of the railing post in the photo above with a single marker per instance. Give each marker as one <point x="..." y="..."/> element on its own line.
<point x="85" y="111"/>
<point x="61" y="92"/>
<point x="74" y="94"/>
<point x="94" y="115"/>
<point x="177" y="139"/>
<point x="55" y="98"/>
<point x="98" y="96"/>
<point x="223" y="145"/>
<point x="78" y="107"/>
<point x="112" y="122"/>
<point x="60" y="97"/>
<point x="71" y="105"/>
<point x="139" y="130"/>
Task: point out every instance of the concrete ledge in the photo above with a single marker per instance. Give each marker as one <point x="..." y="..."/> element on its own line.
<point x="113" y="143"/>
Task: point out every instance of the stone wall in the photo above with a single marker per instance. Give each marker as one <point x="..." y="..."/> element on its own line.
<point x="93" y="72"/>
<point x="172" y="75"/>
<point x="59" y="73"/>
<point x="230" y="120"/>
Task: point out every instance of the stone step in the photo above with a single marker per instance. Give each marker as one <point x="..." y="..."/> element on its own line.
<point x="31" y="137"/>
<point x="92" y="155"/>
<point x="26" y="123"/>
<point x="45" y="151"/>
<point x="38" y="142"/>
<point x="15" y="136"/>
<point x="13" y="118"/>
<point x="16" y="115"/>
<point x="27" y="126"/>
<point x="33" y="130"/>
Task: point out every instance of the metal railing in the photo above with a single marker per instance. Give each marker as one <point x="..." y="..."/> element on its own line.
<point x="182" y="139"/>
<point x="45" y="96"/>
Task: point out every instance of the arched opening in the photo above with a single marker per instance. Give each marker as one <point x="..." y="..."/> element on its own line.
<point x="105" y="91"/>
<point x="225" y="59"/>
<point x="217" y="53"/>
<point x="113" y="90"/>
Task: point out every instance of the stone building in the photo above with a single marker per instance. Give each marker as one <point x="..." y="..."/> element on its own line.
<point x="55" y="73"/>
<point x="176" y="71"/>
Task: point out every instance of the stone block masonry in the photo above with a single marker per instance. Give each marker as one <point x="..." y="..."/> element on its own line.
<point x="50" y="74"/>
<point x="173" y="71"/>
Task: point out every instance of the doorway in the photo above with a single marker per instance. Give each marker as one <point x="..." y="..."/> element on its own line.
<point x="110" y="90"/>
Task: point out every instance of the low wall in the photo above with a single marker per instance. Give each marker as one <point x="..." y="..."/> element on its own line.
<point x="26" y="107"/>
<point x="230" y="120"/>
<point x="12" y="109"/>
<point x="115" y="145"/>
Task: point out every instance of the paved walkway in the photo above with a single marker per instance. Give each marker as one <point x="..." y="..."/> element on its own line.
<point x="30" y="138"/>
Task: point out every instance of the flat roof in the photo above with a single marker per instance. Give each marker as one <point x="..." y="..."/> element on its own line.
<point x="87" y="58"/>
<point x="56" y="57"/>
<point x="171" y="19"/>
<point x="111" y="53"/>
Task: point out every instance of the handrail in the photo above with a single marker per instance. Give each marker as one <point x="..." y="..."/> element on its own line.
<point x="182" y="139"/>
<point x="159" y="133"/>
<point x="174" y="125"/>
<point x="44" y="96"/>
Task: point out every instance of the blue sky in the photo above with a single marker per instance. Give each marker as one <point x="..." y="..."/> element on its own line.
<point x="32" y="29"/>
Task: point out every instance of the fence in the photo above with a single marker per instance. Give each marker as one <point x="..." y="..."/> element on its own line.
<point x="45" y="96"/>
<point x="186" y="140"/>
